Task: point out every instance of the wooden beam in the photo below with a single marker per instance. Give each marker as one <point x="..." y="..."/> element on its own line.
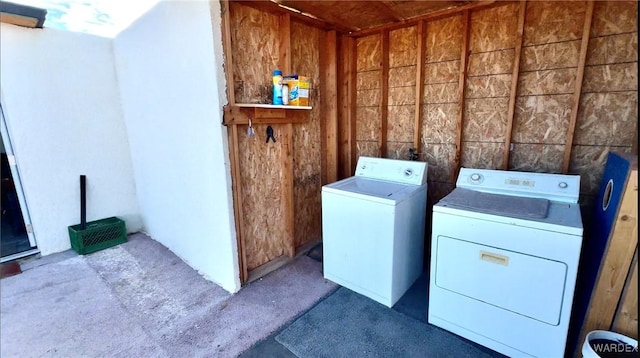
<point x="296" y="15"/>
<point x="514" y="86"/>
<point x="353" y="98"/>
<point x="617" y="260"/>
<point x="238" y="210"/>
<point x="284" y="48"/>
<point x="287" y="162"/>
<point x="343" y="105"/>
<point x="390" y="8"/>
<point x="236" y="176"/>
<point x="234" y="115"/>
<point x="287" y="191"/>
<point x="228" y="51"/>
<point x="384" y="93"/>
<point x="586" y="29"/>
<point x="430" y="16"/>
<point x="417" y="126"/>
<point x="626" y="318"/>
<point x="329" y="107"/>
<point x="464" y="49"/>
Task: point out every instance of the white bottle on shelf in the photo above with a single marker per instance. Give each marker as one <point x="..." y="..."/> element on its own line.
<point x="285" y="94"/>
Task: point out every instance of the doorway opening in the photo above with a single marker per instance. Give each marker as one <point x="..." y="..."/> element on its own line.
<point x="16" y="235"/>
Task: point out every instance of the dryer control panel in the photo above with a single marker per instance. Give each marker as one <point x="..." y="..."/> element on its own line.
<point x="558" y="187"/>
<point x="399" y="171"/>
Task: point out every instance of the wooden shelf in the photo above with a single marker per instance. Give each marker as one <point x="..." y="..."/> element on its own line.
<point x="269" y="106"/>
<point x="240" y="113"/>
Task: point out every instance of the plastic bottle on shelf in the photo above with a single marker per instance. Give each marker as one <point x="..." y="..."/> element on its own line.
<point x="285" y="94"/>
<point x="277" y="87"/>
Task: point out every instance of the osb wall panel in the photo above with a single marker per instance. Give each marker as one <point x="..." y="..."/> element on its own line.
<point x="367" y="148"/>
<point x="485" y="120"/>
<point x="402" y="47"/>
<point x="254" y="42"/>
<point x="400" y="123"/>
<point x="402" y="76"/>
<point x="398" y="150"/>
<point x="613" y="49"/>
<point x="488" y="86"/>
<point x="367" y="98"/>
<point x="440" y="93"/>
<point x="441" y="159"/>
<point x="547" y="82"/>
<point x="614" y="17"/>
<point x="493" y="28"/>
<point x="482" y="155"/>
<point x="607" y="119"/>
<point x="550" y="56"/>
<point x="368" y="123"/>
<point x="443" y="39"/>
<point x="368" y="80"/>
<point x="589" y="162"/>
<point x="544" y="158"/>
<point x="553" y="21"/>
<point x="439" y="123"/>
<point x="491" y="63"/>
<point x="401" y="96"/>
<point x="542" y="119"/>
<point x="442" y="72"/>
<point x="369" y="51"/>
<point x="608" y="78"/>
<point x="305" y="59"/>
<point x="261" y="178"/>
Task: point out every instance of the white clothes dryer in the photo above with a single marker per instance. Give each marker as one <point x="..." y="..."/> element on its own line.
<point x="504" y="256"/>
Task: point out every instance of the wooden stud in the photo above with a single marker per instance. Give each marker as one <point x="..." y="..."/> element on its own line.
<point x="228" y="52"/>
<point x="626" y="318"/>
<point x="464" y="49"/>
<point x="578" y="87"/>
<point x="617" y="259"/>
<point x="514" y="85"/>
<point x="284" y="49"/>
<point x="430" y="16"/>
<point x="238" y="211"/>
<point x="236" y="182"/>
<point x="287" y="191"/>
<point x="384" y="96"/>
<point x="329" y="108"/>
<point x="287" y="165"/>
<point x="353" y="96"/>
<point x="347" y="103"/>
<point x="417" y="127"/>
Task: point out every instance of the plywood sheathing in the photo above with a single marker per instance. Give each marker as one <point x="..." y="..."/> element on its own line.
<point x="369" y="83"/>
<point x="261" y="178"/>
<point x="608" y="110"/>
<point x="255" y="45"/>
<point x="493" y="36"/>
<point x="307" y="137"/>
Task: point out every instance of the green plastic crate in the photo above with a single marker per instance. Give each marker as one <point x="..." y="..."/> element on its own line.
<point x="97" y="235"/>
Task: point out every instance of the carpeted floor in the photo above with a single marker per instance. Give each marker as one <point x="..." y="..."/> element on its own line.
<point x="139" y="300"/>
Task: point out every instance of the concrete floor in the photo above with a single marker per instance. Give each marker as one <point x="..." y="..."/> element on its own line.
<point x="139" y="300"/>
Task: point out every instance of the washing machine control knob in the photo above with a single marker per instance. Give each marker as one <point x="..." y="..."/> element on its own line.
<point x="408" y="172"/>
<point x="563" y="185"/>
<point x="475" y="177"/>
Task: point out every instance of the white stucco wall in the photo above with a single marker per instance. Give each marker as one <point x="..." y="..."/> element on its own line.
<point x="61" y="103"/>
<point x="172" y="87"/>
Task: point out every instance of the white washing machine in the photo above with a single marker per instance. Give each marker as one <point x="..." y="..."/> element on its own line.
<point x="504" y="258"/>
<point x="373" y="227"/>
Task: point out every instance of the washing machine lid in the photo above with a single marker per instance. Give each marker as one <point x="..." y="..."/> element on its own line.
<point x="370" y="189"/>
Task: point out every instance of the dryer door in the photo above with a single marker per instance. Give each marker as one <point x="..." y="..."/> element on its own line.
<point x="527" y="285"/>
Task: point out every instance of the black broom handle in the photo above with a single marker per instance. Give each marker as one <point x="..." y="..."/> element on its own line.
<point x="83" y="202"/>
